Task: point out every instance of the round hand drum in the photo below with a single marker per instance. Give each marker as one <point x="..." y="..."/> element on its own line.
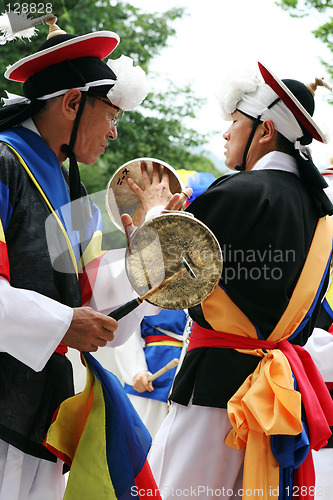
<point x="121" y="199"/>
<point x="179" y="248"/>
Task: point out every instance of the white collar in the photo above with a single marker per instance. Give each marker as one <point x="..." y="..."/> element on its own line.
<point x="30" y="124"/>
<point x="276" y="160"/>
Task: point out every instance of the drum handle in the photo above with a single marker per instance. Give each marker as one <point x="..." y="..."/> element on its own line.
<point x="132" y="304"/>
<point x="125" y="309"/>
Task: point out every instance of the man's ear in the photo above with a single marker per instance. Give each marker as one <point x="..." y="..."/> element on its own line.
<point x="70" y="103"/>
<point x="268" y="132"/>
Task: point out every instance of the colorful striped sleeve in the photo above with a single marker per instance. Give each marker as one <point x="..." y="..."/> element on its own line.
<point x="92" y="254"/>
<point x="5" y="213"/>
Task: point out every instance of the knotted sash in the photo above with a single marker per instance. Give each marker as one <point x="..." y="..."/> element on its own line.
<point x="267" y="403"/>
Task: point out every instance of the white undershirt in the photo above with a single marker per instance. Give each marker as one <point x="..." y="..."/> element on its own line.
<point x="276" y="160"/>
<point x="30" y="124"/>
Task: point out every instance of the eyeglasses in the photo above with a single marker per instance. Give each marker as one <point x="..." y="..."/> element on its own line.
<point x="119" y="112"/>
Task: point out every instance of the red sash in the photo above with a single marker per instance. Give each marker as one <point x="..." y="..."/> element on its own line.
<point x="161" y="338"/>
<point x="202" y="337"/>
<point x="316" y="398"/>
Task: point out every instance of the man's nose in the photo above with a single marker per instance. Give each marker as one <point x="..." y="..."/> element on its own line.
<point x="226" y="135"/>
<point x="113" y="134"/>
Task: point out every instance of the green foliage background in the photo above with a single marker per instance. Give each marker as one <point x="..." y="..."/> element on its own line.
<point x="155" y="129"/>
<point x="321" y="10"/>
<point x="162" y="126"/>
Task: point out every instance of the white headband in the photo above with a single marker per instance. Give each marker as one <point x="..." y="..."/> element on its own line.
<point x="15" y="99"/>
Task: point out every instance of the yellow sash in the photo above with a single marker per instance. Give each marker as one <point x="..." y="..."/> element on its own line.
<point x="266" y="404"/>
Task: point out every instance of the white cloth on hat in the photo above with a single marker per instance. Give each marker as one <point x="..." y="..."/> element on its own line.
<point x="13" y="99"/>
<point x="15" y="26"/>
<point x="233" y="88"/>
<point x="131" y="86"/>
<point x="252" y="97"/>
<point x="255" y="104"/>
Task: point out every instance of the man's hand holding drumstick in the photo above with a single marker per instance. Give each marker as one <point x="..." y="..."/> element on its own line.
<point x="143" y="381"/>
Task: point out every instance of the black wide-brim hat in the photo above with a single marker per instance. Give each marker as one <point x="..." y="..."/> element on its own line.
<point x="66" y="61"/>
<point x="63" y="62"/>
<point x="298" y="99"/>
<point x="62" y="48"/>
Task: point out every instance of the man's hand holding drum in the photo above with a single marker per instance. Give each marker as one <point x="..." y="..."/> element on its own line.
<point x="155" y="193"/>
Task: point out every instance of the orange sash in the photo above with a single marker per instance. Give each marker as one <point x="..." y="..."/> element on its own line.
<point x="266" y="404"/>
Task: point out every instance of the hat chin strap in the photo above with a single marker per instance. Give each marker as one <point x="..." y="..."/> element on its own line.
<point x="80" y="210"/>
<point x="242" y="167"/>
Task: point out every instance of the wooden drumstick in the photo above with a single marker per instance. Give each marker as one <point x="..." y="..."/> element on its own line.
<point x="132" y="304"/>
<point x="174" y="362"/>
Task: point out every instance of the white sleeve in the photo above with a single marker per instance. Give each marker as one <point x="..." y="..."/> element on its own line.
<point x="111" y="289"/>
<point x="31" y="325"/>
<point x="130" y="357"/>
<point x="320" y="346"/>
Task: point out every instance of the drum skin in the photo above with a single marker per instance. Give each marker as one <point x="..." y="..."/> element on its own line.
<point x="156" y="252"/>
<point x="121" y="199"/>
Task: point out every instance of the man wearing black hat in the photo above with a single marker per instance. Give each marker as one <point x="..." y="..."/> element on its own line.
<point x="248" y="403"/>
<point x="71" y="107"/>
